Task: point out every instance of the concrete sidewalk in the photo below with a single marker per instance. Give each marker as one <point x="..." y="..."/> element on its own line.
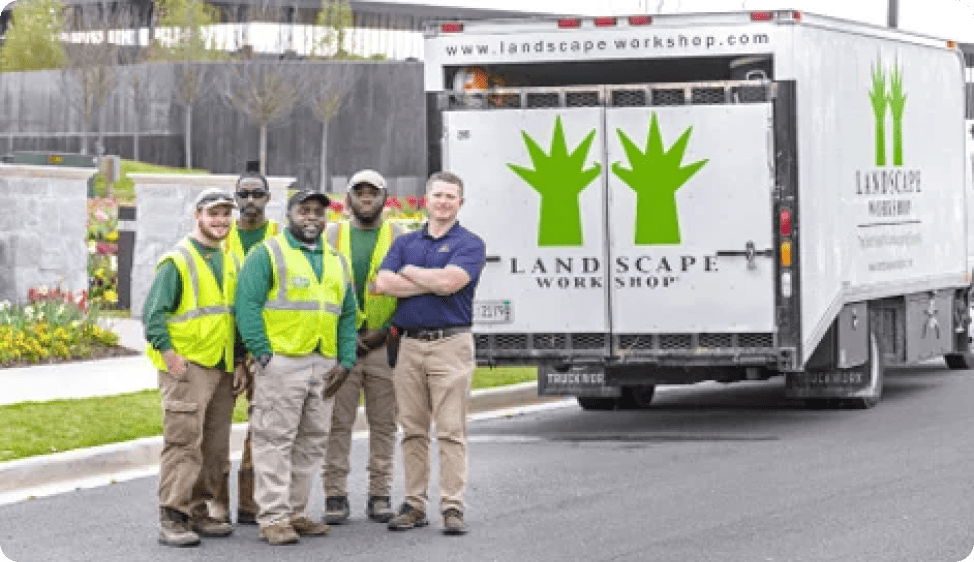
<point x="84" y="379"/>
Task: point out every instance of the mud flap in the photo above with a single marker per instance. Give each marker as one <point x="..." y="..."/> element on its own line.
<point x="861" y="386"/>
<point x="583" y="380"/>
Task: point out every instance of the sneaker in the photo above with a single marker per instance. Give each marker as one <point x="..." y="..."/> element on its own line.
<point x="174" y="529"/>
<point x="453" y="522"/>
<point x="306" y="527"/>
<point x="279" y="533"/>
<point x="246" y="517"/>
<point x="408" y="518"/>
<point x="337" y="510"/>
<point x="379" y="509"/>
<point x="206" y="526"/>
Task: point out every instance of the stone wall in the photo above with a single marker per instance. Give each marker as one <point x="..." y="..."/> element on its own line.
<point x="164" y="215"/>
<point x="43" y="226"/>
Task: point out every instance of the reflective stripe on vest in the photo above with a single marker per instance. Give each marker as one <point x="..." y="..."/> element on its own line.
<point x="377" y="309"/>
<point x="297" y="327"/>
<point x="202" y="334"/>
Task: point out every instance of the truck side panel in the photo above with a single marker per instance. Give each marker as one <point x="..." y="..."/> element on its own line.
<point x="881" y="155"/>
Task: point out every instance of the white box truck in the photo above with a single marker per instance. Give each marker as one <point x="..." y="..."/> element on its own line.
<point x="708" y="197"/>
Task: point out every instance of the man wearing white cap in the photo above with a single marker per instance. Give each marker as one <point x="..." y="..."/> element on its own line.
<point x="193" y="342"/>
<point x="364" y="241"/>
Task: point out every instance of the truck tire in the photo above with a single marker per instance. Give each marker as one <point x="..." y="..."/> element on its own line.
<point x="596" y="404"/>
<point x="965" y="358"/>
<point x="636" y="397"/>
<point x="959" y="360"/>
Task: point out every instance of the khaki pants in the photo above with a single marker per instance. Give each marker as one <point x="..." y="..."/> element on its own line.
<point x="197" y="413"/>
<point x="373" y="375"/>
<point x="289" y="425"/>
<point x="220" y="507"/>
<point x="432" y="381"/>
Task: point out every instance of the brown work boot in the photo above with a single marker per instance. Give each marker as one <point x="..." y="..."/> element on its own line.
<point x="206" y="526"/>
<point x="306" y="527"/>
<point x="453" y="522"/>
<point x="279" y="533"/>
<point x="174" y="529"/>
<point x="409" y="518"/>
<point x="379" y="509"/>
<point x="337" y="510"/>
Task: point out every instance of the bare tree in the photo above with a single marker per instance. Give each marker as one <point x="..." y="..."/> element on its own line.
<point x="325" y="93"/>
<point x="147" y="87"/>
<point x="89" y="75"/>
<point x="266" y="91"/>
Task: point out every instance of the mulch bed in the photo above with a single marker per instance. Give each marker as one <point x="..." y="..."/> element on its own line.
<point x="97" y="353"/>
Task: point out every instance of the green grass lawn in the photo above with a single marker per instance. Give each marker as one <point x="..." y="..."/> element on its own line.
<point x="37" y="428"/>
<point x="136" y="167"/>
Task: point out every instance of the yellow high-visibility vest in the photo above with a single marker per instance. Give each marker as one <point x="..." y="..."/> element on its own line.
<point x="377" y="309"/>
<point x="301" y="313"/>
<point x="234" y="244"/>
<point x="202" y="328"/>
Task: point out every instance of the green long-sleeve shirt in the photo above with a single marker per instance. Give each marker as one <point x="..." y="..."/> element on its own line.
<point x="167" y="291"/>
<point x="255" y="282"/>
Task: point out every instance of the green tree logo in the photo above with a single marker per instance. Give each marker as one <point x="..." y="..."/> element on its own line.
<point x="559" y="178"/>
<point x="894" y="100"/>
<point x="655" y="175"/>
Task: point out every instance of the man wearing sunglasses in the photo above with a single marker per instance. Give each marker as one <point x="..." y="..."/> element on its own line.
<point x="251" y="228"/>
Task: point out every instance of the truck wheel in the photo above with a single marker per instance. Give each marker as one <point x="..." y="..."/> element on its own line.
<point x="636" y="397"/>
<point x="876" y="375"/>
<point x="590" y="404"/>
<point x="964" y="359"/>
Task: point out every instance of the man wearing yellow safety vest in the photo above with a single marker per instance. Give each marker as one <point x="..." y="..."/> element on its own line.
<point x="296" y="314"/>
<point x="364" y="241"/>
<point x="252" y="226"/>
<point x="189" y="326"/>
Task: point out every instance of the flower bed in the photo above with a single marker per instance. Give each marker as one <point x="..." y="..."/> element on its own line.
<point x="103" y="251"/>
<point x="55" y="326"/>
<point x="411" y="211"/>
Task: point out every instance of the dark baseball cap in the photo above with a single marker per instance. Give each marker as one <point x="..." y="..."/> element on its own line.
<point x="302" y="195"/>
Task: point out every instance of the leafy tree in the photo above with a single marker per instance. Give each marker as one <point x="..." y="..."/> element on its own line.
<point x="33" y="41"/>
<point x="90" y="74"/>
<point x="333" y="21"/>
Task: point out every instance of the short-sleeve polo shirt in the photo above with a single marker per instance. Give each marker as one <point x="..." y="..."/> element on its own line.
<point x="458" y="247"/>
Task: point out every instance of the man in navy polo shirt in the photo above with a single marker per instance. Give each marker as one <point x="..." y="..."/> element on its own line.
<point x="434" y="272"/>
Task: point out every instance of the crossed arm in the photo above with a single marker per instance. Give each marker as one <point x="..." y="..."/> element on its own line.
<point x="413" y="280"/>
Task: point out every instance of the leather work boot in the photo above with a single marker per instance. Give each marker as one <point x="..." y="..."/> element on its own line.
<point x="174" y="529"/>
<point x="409" y="518"/>
<point x="306" y="527"/>
<point x="337" y="510"/>
<point x="379" y="509"/>
<point x="453" y="522"/>
<point x="206" y="526"/>
<point x="279" y="533"/>
<point x="246" y="517"/>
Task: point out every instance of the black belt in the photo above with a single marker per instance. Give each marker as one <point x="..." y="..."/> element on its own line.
<point x="430" y="334"/>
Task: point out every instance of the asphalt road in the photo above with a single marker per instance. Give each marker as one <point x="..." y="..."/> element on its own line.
<point x="722" y="473"/>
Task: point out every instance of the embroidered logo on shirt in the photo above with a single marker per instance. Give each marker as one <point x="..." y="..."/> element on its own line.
<point x="300" y="282"/>
<point x="444" y="248"/>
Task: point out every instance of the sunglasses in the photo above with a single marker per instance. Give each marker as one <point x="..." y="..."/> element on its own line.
<point x="252" y="194"/>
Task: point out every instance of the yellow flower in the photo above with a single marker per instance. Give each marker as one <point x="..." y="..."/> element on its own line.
<point x="111" y="236"/>
<point x="111" y="296"/>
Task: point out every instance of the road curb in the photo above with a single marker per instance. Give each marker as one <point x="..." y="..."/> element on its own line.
<point x="59" y="472"/>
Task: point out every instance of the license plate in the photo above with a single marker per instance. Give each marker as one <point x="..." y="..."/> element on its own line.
<point x="578" y="380"/>
<point x="492" y="312"/>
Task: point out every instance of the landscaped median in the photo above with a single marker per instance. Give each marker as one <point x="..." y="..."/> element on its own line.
<point x="37" y="428"/>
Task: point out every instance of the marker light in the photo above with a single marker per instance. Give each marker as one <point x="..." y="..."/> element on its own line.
<point x="453" y="27"/>
<point x="786" y="253"/>
<point x="640" y="20"/>
<point x="786" y="284"/>
<point x="605" y="22"/>
<point x="784" y="222"/>
<point x="569" y="23"/>
<point x="762" y="16"/>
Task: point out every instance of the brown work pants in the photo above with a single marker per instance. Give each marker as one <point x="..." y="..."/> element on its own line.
<point x="432" y="381"/>
<point x="289" y="426"/>
<point x="373" y="375"/>
<point x="197" y="410"/>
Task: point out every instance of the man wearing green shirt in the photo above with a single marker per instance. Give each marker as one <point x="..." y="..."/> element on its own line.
<point x="252" y="226"/>
<point x="192" y="342"/>
<point x="365" y="240"/>
<point x="295" y="311"/>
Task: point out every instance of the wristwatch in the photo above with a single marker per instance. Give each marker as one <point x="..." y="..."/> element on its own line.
<point x="264" y="359"/>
